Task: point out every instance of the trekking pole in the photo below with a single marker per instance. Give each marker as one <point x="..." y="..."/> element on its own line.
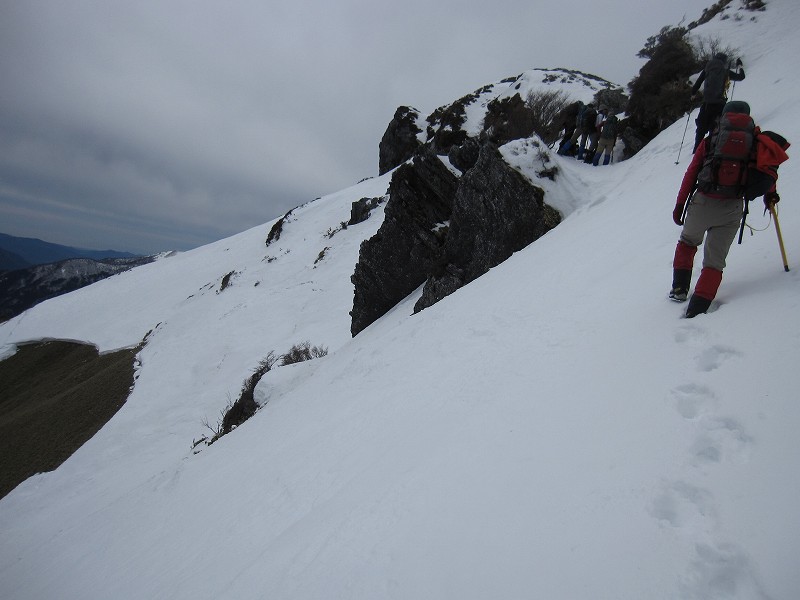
<point x="774" y="214"/>
<point x="733" y="87"/>
<point x="689" y="116"/>
<point x="688" y="202"/>
<point x="744" y="218"/>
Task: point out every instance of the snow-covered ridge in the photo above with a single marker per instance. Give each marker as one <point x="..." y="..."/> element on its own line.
<point x="552" y="430"/>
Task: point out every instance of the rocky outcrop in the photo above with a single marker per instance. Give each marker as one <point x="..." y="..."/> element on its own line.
<point x="496" y="212"/>
<point x="361" y="209"/>
<point x="508" y="119"/>
<point x="404" y="251"/>
<point x="444" y="232"/>
<point x="465" y="156"/>
<point x="400" y="139"/>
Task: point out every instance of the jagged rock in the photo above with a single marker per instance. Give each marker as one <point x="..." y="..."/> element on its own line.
<point x="465" y="156"/>
<point x="361" y="209"/>
<point x="277" y="229"/>
<point x="508" y="119"/>
<point x="445" y="125"/>
<point x="496" y="212"/>
<point x="633" y="142"/>
<point x="400" y="139"/>
<point x="402" y="254"/>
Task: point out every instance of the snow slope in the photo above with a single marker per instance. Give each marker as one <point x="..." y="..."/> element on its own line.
<point x="552" y="430"/>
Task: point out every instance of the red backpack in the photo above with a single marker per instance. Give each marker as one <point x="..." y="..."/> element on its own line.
<point x="728" y="156"/>
<point x="769" y="153"/>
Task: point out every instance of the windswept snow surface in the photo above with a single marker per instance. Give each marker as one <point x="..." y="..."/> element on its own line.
<point x="553" y="430"/>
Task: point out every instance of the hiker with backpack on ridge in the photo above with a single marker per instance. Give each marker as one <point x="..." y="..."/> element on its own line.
<point x="736" y="163"/>
<point x="567" y="121"/>
<point x="594" y="136"/>
<point x="607" y="141"/>
<point x="715" y="75"/>
<point x="584" y="125"/>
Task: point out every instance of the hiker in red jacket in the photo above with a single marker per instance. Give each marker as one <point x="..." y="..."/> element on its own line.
<point x="716" y="204"/>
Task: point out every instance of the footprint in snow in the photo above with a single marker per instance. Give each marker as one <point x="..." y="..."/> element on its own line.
<point x="683" y="505"/>
<point x="718" y="437"/>
<point x="721" y="438"/>
<point x="721" y="570"/>
<point x="712" y="358"/>
<point x="692" y="400"/>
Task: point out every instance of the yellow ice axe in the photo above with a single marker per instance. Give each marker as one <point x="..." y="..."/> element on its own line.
<point x="774" y="214"/>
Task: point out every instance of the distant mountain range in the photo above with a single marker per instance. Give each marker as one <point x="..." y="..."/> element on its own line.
<point x="32" y="270"/>
<point x="19" y="252"/>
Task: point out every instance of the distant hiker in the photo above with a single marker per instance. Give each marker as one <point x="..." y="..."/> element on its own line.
<point x="716" y="76"/>
<point x="594" y="136"/>
<point x="607" y="141"/>
<point x="569" y="147"/>
<point x="737" y="162"/>
<point x="587" y="128"/>
<point x="567" y="121"/>
<point x="584" y="125"/>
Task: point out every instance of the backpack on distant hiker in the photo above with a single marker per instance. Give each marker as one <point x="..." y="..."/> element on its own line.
<point x="610" y="127"/>
<point x="579" y="117"/>
<point x="588" y="118"/>
<point x="716" y="79"/>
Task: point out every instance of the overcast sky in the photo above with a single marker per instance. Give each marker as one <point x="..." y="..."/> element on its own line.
<point x="159" y="125"/>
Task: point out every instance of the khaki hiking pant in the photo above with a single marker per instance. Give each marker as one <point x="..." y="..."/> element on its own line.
<point x="718" y="221"/>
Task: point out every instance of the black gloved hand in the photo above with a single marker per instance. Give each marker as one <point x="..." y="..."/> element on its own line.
<point x="739" y="62"/>
<point x="771" y="198"/>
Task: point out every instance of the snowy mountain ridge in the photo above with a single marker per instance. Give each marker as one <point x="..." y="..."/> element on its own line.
<point x="551" y="430"/>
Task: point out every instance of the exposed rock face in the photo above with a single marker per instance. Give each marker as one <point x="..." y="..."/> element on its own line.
<point x="508" y="119"/>
<point x="445" y="232"/>
<point x="399" y="258"/>
<point x="361" y="209"/>
<point x="496" y="212"/>
<point x="465" y="156"/>
<point x="400" y="139"/>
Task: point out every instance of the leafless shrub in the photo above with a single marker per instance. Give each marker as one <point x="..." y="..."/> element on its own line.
<point x="706" y="47"/>
<point x="545" y="105"/>
<point x="302" y="352"/>
<point x="237" y="412"/>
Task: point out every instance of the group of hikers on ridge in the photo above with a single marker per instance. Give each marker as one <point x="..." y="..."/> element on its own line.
<point x="589" y="134"/>
<point x="733" y="163"/>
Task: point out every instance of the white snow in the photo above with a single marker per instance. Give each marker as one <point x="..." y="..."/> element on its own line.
<point x="552" y="430"/>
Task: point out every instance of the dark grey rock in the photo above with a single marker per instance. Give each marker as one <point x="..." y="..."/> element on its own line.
<point x="465" y="156"/>
<point x="404" y="251"/>
<point x="508" y="119"/>
<point x="361" y="209"/>
<point x="496" y="212"/>
<point x="400" y="139"/>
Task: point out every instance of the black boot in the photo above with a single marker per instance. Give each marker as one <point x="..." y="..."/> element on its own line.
<point x="681" y="279"/>
<point x="697" y="306"/>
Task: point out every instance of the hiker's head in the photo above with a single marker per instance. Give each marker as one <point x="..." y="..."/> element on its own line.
<point x="721" y="56"/>
<point x="736" y="106"/>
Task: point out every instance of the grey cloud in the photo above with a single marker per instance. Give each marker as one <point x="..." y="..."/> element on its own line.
<point x="181" y="122"/>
